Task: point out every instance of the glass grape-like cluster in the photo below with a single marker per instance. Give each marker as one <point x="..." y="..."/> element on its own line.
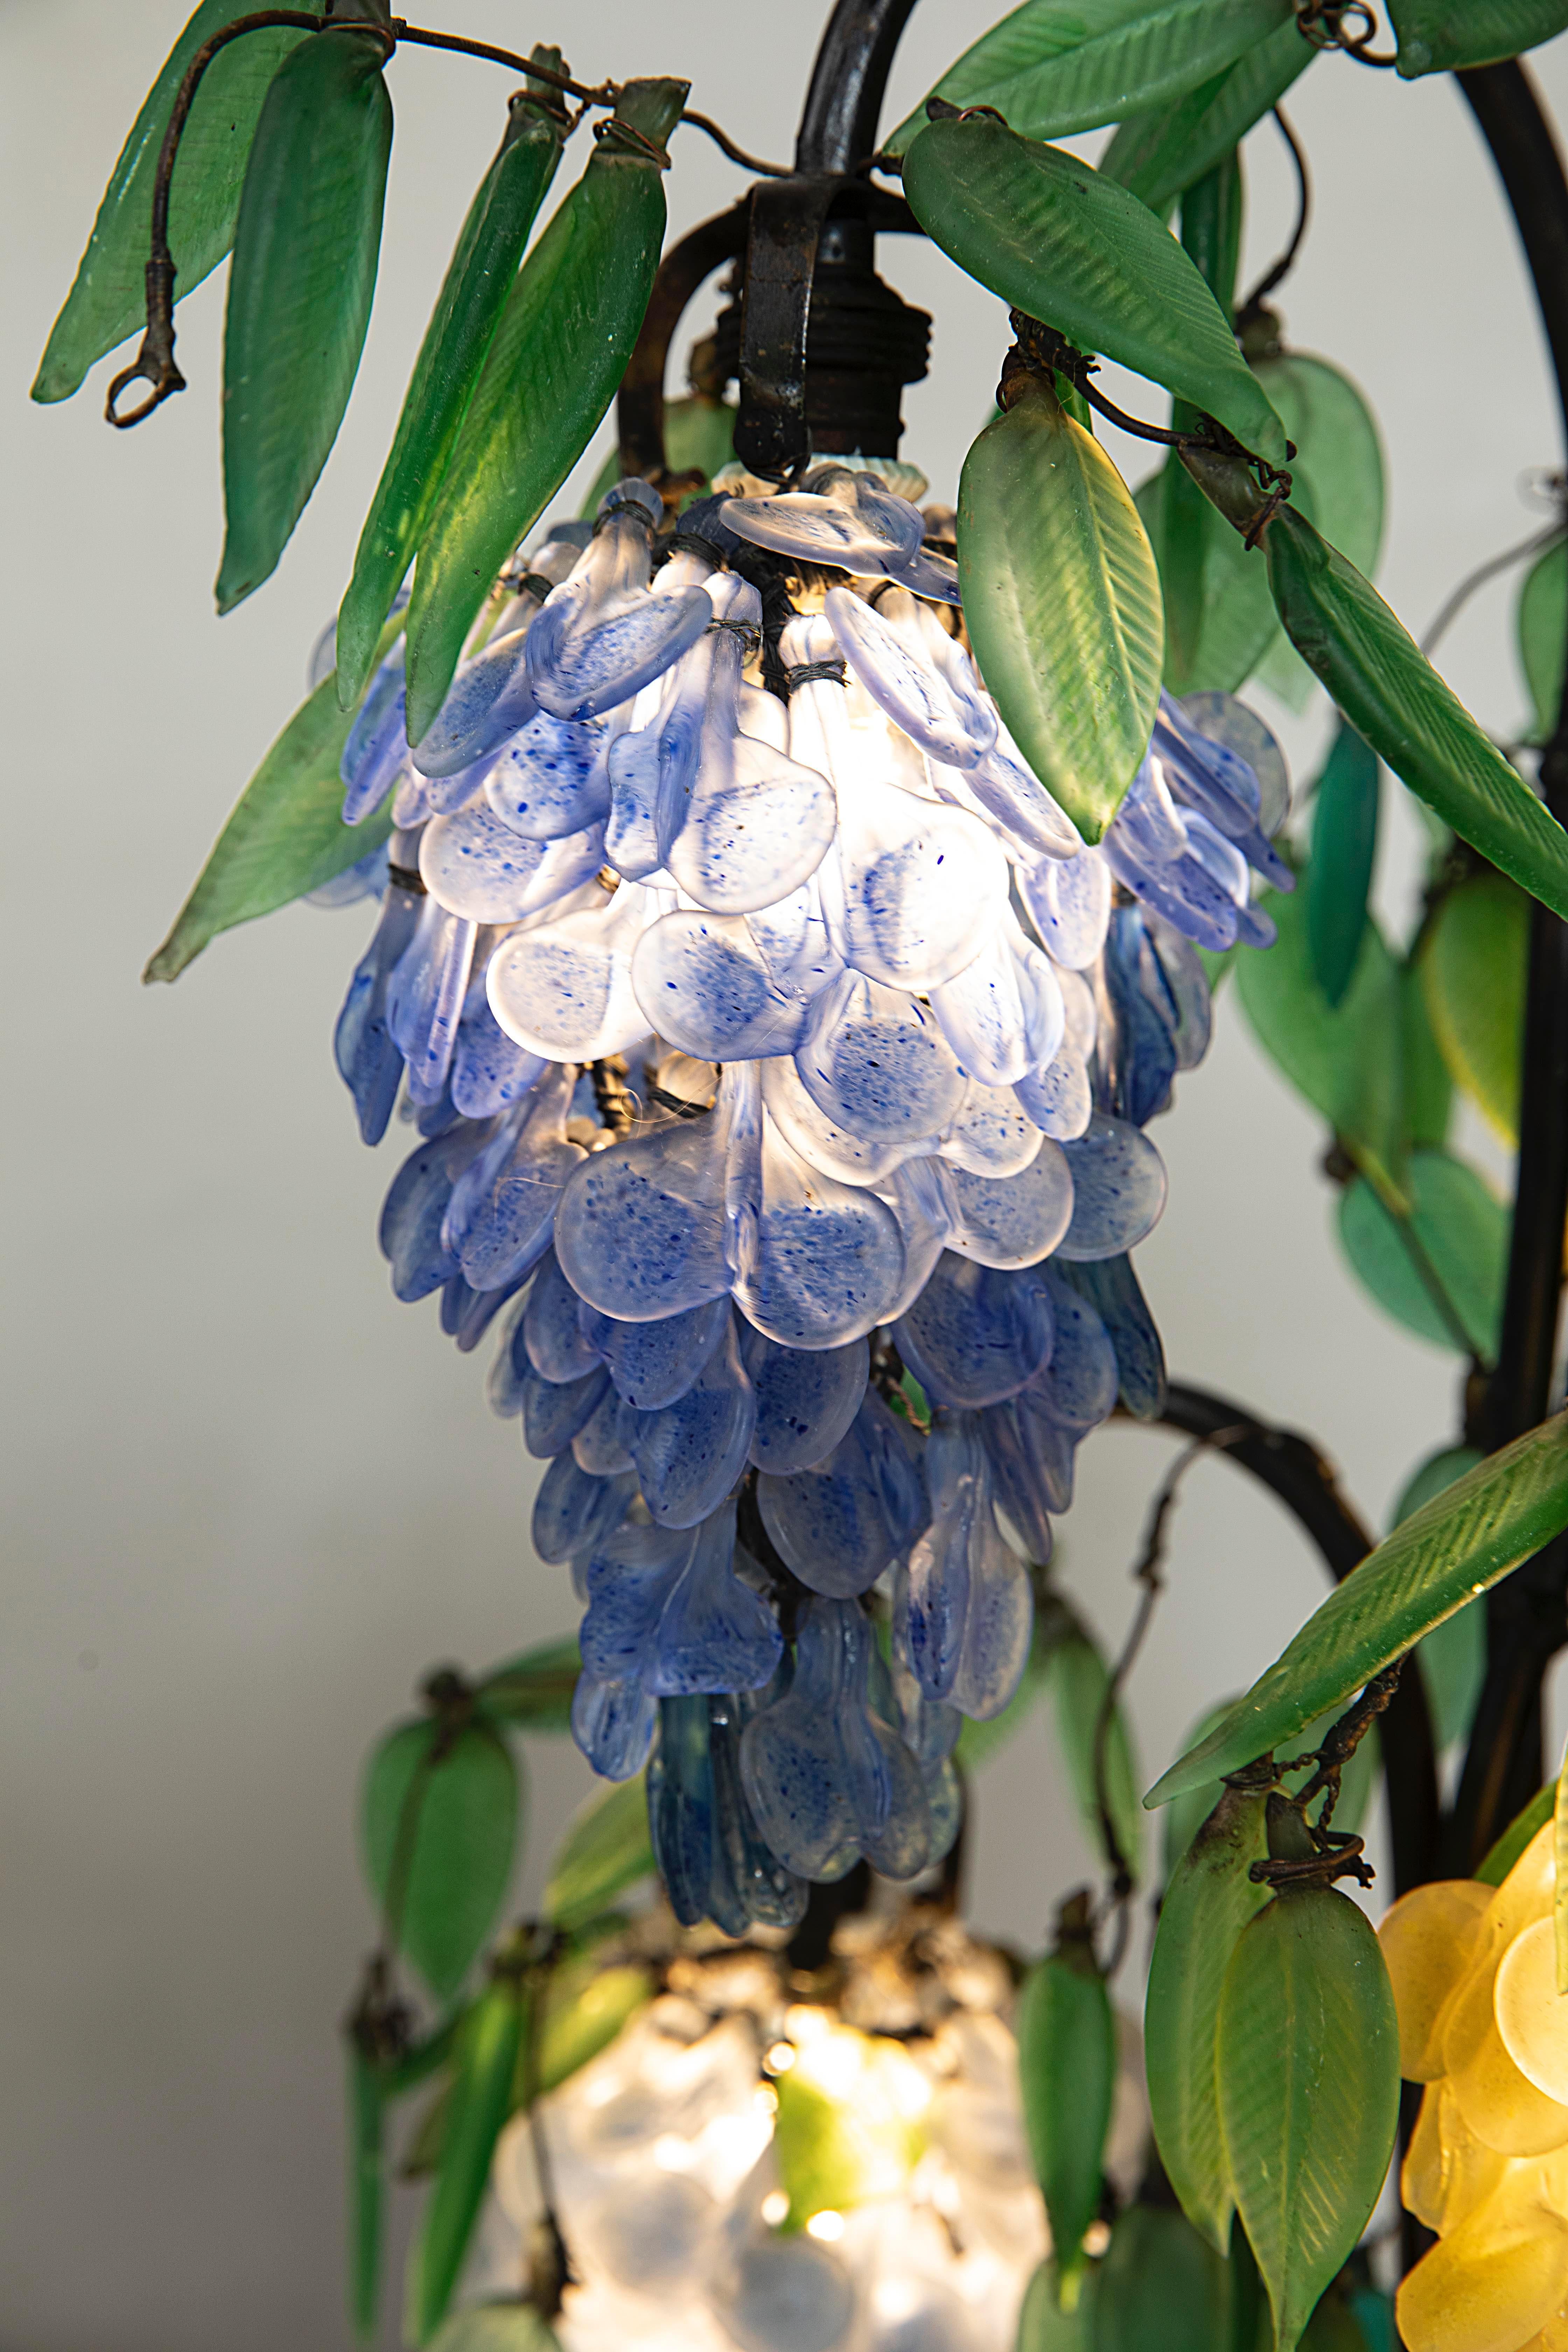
<point x="781" y="1058"/>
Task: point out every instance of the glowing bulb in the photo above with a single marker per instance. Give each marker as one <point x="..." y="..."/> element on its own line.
<point x="828" y="2226"/>
<point x="780" y="2058"/>
<point x="775" y="2207"/>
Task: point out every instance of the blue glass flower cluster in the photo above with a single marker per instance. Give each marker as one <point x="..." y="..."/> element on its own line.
<point x="781" y="1059"/>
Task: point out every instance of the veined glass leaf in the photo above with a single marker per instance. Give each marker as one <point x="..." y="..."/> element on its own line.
<point x="1346" y="1059"/>
<point x="1162" y="2289"/>
<point x="1429" y="1089"/>
<point x="1412" y="719"/>
<point x="1051" y="68"/>
<point x="1206" y="1904"/>
<point x="1442" y="36"/>
<point x="563" y="340"/>
<point x="1344" y="851"/>
<point x="1061" y="242"/>
<point x="305" y="251"/>
<point x="606" y="1850"/>
<point x="1062" y="603"/>
<point x="1066" y="2071"/>
<point x="1542" y="626"/>
<point x="1158" y="152"/>
<point x="1439" y="1270"/>
<point x="699" y="438"/>
<point x="285" y="833"/>
<point x="1308" y="2091"/>
<point x="480" y="2102"/>
<point x="1453" y="1659"/>
<point x="1473" y="968"/>
<point x="1454" y="1548"/>
<point x="108" y="299"/>
<point x="534" y="1691"/>
<point x="1076" y="1676"/>
<point x="467" y="310"/>
<point x="439" y="1821"/>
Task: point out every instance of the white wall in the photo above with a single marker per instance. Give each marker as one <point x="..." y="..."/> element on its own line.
<point x="251" y="1497"/>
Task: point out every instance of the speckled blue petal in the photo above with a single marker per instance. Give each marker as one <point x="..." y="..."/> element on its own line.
<point x="1135" y="1056"/>
<point x="640" y="1228"/>
<point x="552" y="779"/>
<point x="1015" y="1222"/>
<point x="1183" y="893"/>
<point x="1030" y="1461"/>
<point x="552" y="1331"/>
<point x="680" y="1809"/>
<point x="600" y="1445"/>
<point x="503" y="1206"/>
<point x="876" y="1064"/>
<point x="666" y="1607"/>
<point x="488" y="1072"/>
<point x="1222" y="721"/>
<point x="1077" y="1386"/>
<point x="1070" y="902"/>
<point x="1012" y="794"/>
<point x="1176" y="984"/>
<point x="1003" y="1016"/>
<point x="838" y="516"/>
<point x="975" y="1335"/>
<point x="603" y="635"/>
<point x="1119" y="1189"/>
<point x="1058" y="1099"/>
<point x="415" y="1208"/>
<point x="919" y="675"/>
<point x="572" y="1512"/>
<point x="807" y="1399"/>
<point x="750" y="1887"/>
<point x="425" y="997"/>
<point x="377" y="745"/>
<point x="689" y="1455"/>
<point x="467" y="1314"/>
<point x="704" y="986"/>
<point x="554" y="1410"/>
<point x="488" y="700"/>
<point x="829" y="1258"/>
<point x="369" y="1059"/>
<point x="653" y="1364"/>
<point x="791" y="1768"/>
<point x="838" y="1523"/>
<point x="1112" y="1288"/>
<point x="613" y="1724"/>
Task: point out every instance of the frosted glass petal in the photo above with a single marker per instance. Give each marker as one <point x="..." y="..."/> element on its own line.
<point x="689" y="1455"/>
<point x="806" y="1399"/>
<point x="488" y="1071"/>
<point x="552" y="779"/>
<point x="666" y="1609"/>
<point x="613" y="1724"/>
<point x="1226" y="721"/>
<point x="791" y="1768"/>
<point x="1069" y="901"/>
<point x="920" y="677"/>
<point x="573" y="1512"/>
<point x="755" y="824"/>
<point x="1428" y="1940"/>
<point x="552" y="1335"/>
<point x="1058" y="1099"/>
<point x="601" y="636"/>
<point x="992" y="1135"/>
<point x="640" y="1228"/>
<point x="704" y="986"/>
<point x="921" y="1195"/>
<point x="829" y="1258"/>
<point x="425" y="998"/>
<point x="845" y="520"/>
<point x="975" y="1335"/>
<point x="653" y="1364"/>
<point x="1077" y="1387"/>
<point x="1119" y="1188"/>
<point x="790" y="936"/>
<point x="554" y="1410"/>
<point x="377" y="743"/>
<point x="1490" y="2283"/>
<point x="1003" y="1016"/>
<point x="488" y="700"/>
<point x="822" y="1142"/>
<point x="565" y="988"/>
<point x="1015" y="1223"/>
<point x="503" y="1206"/>
<point x="877" y="1064"/>
<point x="600" y="1446"/>
<point x="476" y="866"/>
<point x="1010" y="791"/>
<point x="839" y="1522"/>
<point x="1531" y="2014"/>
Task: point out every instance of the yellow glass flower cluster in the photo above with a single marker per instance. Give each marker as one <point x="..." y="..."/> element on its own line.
<point x="1482" y="2025"/>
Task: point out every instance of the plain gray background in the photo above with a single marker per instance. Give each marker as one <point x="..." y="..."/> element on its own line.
<point x="252" y="1499"/>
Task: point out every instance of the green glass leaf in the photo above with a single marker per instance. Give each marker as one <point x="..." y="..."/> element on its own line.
<point x="1162" y="2289"/>
<point x="1344" y="851"/>
<point x="1347" y="1060"/>
<point x="1156" y="153"/>
<point x="1062" y="603"/>
<point x="1052" y="68"/>
<point x="1388" y="689"/>
<point x="1338" y="473"/>
<point x="606" y="1850"/>
<point x="1189" y="530"/>
<point x="478" y="2108"/>
<point x="1044" y="2326"/>
<point x="699" y="438"/>
<point x="439" y="1821"/>
<point x="496" y="2328"/>
<point x="305" y="251"/>
<point x="534" y="1691"/>
<point x="584" y="2009"/>
<point x="1540" y="625"/>
<point x="557" y="356"/>
<point x="1429" y="1089"/>
<point x="1442" y="36"/>
<point x="1066" y="2069"/>
<point x="1308" y="2091"/>
<point x="1186" y="1814"/>
<point x="1453" y="1659"/>
<point x="1472" y="965"/>
<point x="367" y="2189"/>
<point x="1206" y="1904"/>
<point x="108" y="299"/>
<point x="1230" y="617"/>
<point x="1440" y="1269"/>
<point x="1076" y="1676"/>
<point x="1454" y="1548"/>
<point x="1501" y="1857"/>
<point x="285" y="835"/>
<point x="1059" y="241"/>
<point x="467" y="311"/>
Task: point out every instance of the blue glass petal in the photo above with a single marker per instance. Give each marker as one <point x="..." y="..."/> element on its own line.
<point x="552" y="779"/>
<point x="1069" y="900"/>
<point x="599" y="641"/>
<point x="876" y="1063"/>
<point x="415" y="1208"/>
<point x="807" y="1399"/>
<point x="467" y="1314"/>
<point x="829" y="1258"/>
<point x="1077" y="1386"/>
<point x="552" y="1331"/>
<point x="600" y="1445"/>
<point x="368" y="1059"/>
<point x="1014" y="1221"/>
<point x="704" y="986"/>
<point x="665" y="1606"/>
<point x="750" y="1887"/>
<point x="376" y="745"/>
<point x="1135" y="1053"/>
<point x="488" y="1071"/>
<point x="640" y="1228"/>
<point x="511" y="1369"/>
<point x="572" y="1513"/>
<point x="1031" y="1462"/>
<point x="1057" y="1099"/>
<point x="425" y="997"/>
<point x="653" y="1364"/>
<point x="791" y="1768"/>
<point x="680" y="1807"/>
<point x="554" y="1410"/>
<point x="1119" y="1189"/>
<point x="838" y="1523"/>
<point x="503" y="1208"/>
<point x="689" y="1455"/>
<point x="1112" y="1288"/>
<point x="1177" y="985"/>
<point x="1182" y="892"/>
<point x="1221" y="721"/>
<point x="488" y="700"/>
<point x="976" y="1334"/>
<point x="613" y="1724"/>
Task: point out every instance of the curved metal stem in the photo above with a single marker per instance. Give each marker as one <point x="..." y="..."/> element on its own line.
<point x="848" y="83"/>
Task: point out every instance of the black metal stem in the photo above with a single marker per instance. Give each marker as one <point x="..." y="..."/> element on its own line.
<point x="1525" y="1615"/>
<point x="1293" y="1469"/>
<point x="848" y="83"/>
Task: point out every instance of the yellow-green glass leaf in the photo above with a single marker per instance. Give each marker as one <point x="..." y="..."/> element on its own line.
<point x="1412" y="719"/>
<point x="467" y="310"/>
<point x="1207" y="1904"/>
<point x="367" y="2191"/>
<point x="584" y="2009"/>
<point x="1456" y="1546"/>
<point x="1308" y="2091"/>
<point x="1445" y="35"/>
<point x="1044" y="2326"/>
<point x="305" y="251"/>
<point x="1061" y="597"/>
<point x="564" y="338"/>
<point x="606" y="1850"/>
<point x="1052" y="68"/>
<point x="1054" y="238"/>
<point x="1067" y="2068"/>
<point x="1472" y="968"/>
<point x="108" y="300"/>
<point x="285" y="835"/>
<point x="1501" y="1858"/>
